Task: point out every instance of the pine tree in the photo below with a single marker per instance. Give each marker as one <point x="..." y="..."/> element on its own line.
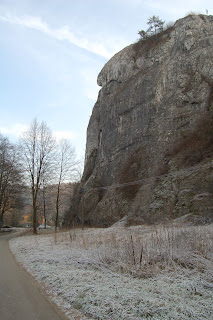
<point x="143" y="34"/>
<point x="155" y="26"/>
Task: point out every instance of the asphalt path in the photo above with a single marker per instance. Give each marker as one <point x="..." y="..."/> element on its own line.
<point x="20" y="296"/>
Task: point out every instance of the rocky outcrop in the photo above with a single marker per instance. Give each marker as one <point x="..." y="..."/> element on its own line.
<point x="149" y="153"/>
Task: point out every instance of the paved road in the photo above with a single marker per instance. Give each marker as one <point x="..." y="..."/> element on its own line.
<point x="20" y="297"/>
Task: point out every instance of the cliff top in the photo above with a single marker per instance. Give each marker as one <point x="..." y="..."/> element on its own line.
<point x="185" y="33"/>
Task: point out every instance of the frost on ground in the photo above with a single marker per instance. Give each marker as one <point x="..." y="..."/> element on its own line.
<point x="124" y="273"/>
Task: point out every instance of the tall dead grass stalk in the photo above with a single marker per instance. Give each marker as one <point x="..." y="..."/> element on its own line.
<point x="145" y="251"/>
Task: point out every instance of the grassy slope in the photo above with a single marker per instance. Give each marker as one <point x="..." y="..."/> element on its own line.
<point x="158" y="272"/>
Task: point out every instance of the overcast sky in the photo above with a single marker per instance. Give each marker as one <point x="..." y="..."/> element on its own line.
<point x="51" y="52"/>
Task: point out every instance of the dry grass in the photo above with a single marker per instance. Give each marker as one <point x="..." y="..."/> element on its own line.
<point x="143" y="272"/>
<point x="146" y="251"/>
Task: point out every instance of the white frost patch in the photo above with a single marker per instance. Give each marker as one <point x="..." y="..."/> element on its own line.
<point x="72" y="269"/>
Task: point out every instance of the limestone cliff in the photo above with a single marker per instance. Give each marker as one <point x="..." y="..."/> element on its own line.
<point x="152" y="125"/>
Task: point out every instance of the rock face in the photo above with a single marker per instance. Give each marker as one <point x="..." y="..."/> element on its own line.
<point x="150" y="136"/>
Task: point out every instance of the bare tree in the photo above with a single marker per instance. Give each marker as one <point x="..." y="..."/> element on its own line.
<point x="37" y="148"/>
<point x="67" y="169"/>
<point x="10" y="177"/>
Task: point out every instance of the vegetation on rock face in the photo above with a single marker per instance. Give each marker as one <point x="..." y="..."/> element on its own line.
<point x="196" y="146"/>
<point x="155" y="26"/>
<point x="133" y="169"/>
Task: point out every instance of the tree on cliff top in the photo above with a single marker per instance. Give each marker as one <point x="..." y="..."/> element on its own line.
<point x="155" y="26"/>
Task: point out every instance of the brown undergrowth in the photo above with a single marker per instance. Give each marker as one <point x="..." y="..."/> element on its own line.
<point x="196" y="147"/>
<point x="133" y="169"/>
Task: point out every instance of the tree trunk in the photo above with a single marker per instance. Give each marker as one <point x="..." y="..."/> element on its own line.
<point x="57" y="208"/>
<point x="34" y="217"/>
<point x="44" y="209"/>
<point x="1" y="220"/>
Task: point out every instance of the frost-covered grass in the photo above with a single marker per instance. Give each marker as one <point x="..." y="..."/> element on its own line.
<point x="161" y="272"/>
